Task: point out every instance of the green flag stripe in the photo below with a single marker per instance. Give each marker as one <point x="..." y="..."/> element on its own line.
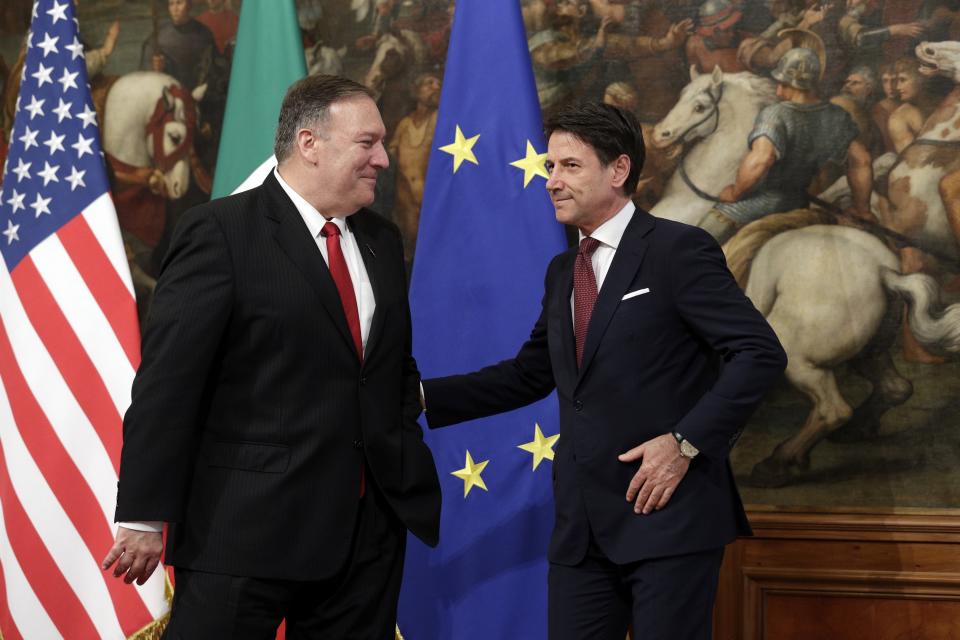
<point x="268" y="58"/>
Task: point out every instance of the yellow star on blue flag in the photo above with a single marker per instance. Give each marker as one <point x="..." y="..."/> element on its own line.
<point x="470" y="474"/>
<point x="533" y="164"/>
<point x="541" y="447"/>
<point x="461" y="149"/>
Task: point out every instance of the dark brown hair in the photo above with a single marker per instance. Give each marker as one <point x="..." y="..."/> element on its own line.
<point x="609" y="130"/>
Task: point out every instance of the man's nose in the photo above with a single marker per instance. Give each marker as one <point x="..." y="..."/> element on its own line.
<point x="380" y="159"/>
<point x="554" y="183"/>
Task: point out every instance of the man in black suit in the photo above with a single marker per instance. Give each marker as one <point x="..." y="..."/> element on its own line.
<point x="273" y="420"/>
<point x="658" y="360"/>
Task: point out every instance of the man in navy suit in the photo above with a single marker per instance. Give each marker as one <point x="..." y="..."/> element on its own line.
<point x="273" y="419"/>
<point x="658" y="360"/>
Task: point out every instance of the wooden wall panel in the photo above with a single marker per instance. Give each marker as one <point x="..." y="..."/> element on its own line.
<point x="839" y="576"/>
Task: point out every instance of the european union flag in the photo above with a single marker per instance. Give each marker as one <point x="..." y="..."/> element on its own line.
<point x="487" y="232"/>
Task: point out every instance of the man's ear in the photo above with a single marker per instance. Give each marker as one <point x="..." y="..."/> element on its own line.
<point x="308" y="143"/>
<point x="621" y="169"/>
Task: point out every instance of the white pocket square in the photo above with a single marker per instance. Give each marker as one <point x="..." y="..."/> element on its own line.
<point x="634" y="294"/>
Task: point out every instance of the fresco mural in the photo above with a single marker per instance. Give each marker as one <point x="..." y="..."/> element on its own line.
<point x="818" y="141"/>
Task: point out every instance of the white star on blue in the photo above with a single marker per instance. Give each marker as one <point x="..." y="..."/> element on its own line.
<point x="55" y="166"/>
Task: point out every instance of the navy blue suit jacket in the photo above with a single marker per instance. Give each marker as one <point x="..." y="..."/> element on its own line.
<point x="691" y="355"/>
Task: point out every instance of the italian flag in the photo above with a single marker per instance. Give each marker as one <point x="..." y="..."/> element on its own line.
<point x="268" y="59"/>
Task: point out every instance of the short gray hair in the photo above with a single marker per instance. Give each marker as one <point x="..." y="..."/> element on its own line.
<point x="307" y="104"/>
<point x="869" y="75"/>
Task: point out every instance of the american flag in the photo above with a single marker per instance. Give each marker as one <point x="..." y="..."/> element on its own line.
<point x="69" y="347"/>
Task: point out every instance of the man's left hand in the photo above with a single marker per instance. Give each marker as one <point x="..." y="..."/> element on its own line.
<point x="136" y="553"/>
<point x="659" y="474"/>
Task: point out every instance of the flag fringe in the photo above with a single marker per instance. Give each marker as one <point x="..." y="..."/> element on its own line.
<point x="155" y="629"/>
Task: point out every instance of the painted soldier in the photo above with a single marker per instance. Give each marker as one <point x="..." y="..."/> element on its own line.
<point x="183" y="47"/>
<point x="791" y="141"/>
<point x="717" y="38"/>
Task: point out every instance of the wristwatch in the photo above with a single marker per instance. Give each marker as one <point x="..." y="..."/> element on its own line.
<point x="687" y="450"/>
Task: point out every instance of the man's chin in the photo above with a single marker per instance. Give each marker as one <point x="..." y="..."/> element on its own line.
<point x="563" y="216"/>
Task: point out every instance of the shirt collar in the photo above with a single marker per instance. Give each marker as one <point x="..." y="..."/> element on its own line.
<point x="313" y="218"/>
<point x="611" y="231"/>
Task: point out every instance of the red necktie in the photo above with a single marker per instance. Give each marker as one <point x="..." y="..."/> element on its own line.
<point x="341" y="277"/>
<point x="584" y="292"/>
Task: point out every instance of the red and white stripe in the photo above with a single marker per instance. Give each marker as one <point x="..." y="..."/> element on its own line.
<point x="69" y="348"/>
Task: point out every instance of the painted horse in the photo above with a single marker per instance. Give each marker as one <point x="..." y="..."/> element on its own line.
<point x="712" y="119"/>
<point x="828" y="291"/>
<point x="149" y="125"/>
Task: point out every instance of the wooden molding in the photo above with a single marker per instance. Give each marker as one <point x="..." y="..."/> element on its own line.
<point x="905" y="525"/>
<point x="871" y="573"/>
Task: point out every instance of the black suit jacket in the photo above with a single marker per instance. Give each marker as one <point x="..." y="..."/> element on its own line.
<point x="690" y="355"/>
<point x="251" y="413"/>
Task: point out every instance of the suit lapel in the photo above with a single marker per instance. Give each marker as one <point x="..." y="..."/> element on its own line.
<point x="370" y="249"/>
<point x="294" y="238"/>
<point x="623" y="270"/>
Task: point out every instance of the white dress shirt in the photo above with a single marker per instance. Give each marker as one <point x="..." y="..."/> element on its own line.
<point x="358" y="274"/>
<point x="609" y="235"/>
<point x="351" y="253"/>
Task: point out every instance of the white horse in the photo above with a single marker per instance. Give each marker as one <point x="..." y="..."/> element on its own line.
<point x="150" y="122"/>
<point x="829" y="293"/>
<point x="826" y="290"/>
<point x="713" y="116"/>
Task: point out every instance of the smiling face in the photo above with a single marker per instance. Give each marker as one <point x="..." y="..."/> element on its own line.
<point x="346" y="153"/>
<point x="585" y="192"/>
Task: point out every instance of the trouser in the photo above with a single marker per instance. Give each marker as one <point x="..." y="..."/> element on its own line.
<point x="360" y="602"/>
<point x="667" y="598"/>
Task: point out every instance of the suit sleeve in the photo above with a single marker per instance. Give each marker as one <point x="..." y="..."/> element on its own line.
<point x="505" y="386"/>
<point x="190" y="309"/>
<point x="411" y="374"/>
<point x="713" y="306"/>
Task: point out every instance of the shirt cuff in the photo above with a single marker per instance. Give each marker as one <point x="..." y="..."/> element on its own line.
<point x="423" y="398"/>
<point x="151" y="526"/>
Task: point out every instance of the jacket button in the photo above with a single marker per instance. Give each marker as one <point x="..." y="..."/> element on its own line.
<point x="577" y="405"/>
<point x="358" y="444"/>
<point x="363" y="380"/>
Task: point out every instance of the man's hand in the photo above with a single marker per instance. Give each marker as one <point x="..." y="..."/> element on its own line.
<point x="678" y="34"/>
<point x="659" y="474"/>
<point x="137" y="554"/>
<point x="907" y="30"/>
<point x="814" y="14"/>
